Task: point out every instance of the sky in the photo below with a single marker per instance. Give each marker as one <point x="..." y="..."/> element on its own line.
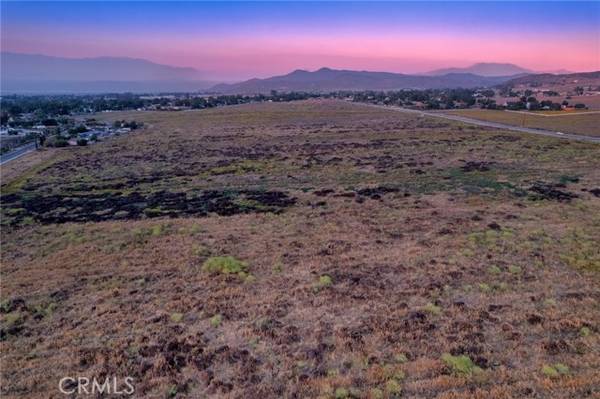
<point x="238" y="40"/>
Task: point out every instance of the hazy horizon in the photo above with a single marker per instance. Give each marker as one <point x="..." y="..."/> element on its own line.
<point x="235" y="41"/>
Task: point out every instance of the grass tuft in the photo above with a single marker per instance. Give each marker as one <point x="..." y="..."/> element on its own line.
<point x="460" y="365"/>
<point x="224" y="265"/>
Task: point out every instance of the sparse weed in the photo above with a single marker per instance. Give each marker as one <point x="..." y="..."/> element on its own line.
<point x="460" y="365"/>
<point x="341" y="393"/>
<point x="215" y="321"/>
<point x="224" y="265"/>
<point x="494" y="270"/>
<point x="393" y="387"/>
<point x="432" y="309"/>
<point x="485" y="288"/>
<point x="555" y="371"/>
<point x="401" y="358"/>
<point x="325" y="281"/>
<point x="585" y="331"/>
<point x="514" y="269"/>
<point x="176" y="317"/>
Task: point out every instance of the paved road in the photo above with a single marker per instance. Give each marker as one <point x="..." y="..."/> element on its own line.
<point x="497" y="125"/>
<point x="16" y="153"/>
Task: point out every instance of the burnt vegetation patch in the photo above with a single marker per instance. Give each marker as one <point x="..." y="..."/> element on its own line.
<point x="115" y="205"/>
<point x="550" y="191"/>
<point x="476" y="166"/>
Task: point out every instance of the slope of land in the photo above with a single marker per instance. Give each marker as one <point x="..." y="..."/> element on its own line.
<point x="326" y="79"/>
<point x="383" y="254"/>
<point x="585" y="123"/>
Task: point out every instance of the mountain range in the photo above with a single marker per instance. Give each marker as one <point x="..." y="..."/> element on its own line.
<point x="34" y="73"/>
<point x="485" y="69"/>
<point x="326" y="79"/>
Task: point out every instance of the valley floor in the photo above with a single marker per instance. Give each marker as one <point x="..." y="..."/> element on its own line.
<point x="380" y="255"/>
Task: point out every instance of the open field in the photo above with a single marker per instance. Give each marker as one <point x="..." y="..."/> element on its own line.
<point x="582" y="123"/>
<point x="381" y="255"/>
<point x="590" y="101"/>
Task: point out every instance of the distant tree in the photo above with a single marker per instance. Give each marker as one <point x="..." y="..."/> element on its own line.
<point x="82" y="142"/>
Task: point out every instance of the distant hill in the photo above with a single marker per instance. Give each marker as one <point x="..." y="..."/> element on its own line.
<point x="326" y="79"/>
<point x="25" y="73"/>
<point x="548" y="79"/>
<point x="484" y="69"/>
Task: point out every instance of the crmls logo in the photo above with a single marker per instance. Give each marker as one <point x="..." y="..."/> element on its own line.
<point x="93" y="386"/>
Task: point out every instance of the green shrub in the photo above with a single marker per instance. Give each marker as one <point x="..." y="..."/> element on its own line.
<point x="215" y="321"/>
<point x="483" y="287"/>
<point x="224" y="265"/>
<point x="401" y="358"/>
<point x="550" y="371"/>
<point x="494" y="270"/>
<point x="376" y="393"/>
<point x="325" y="281"/>
<point x="393" y="387"/>
<point x="561" y="368"/>
<point x="514" y="269"/>
<point x="462" y="365"/>
<point x="176" y="317"/>
<point x="585" y="331"/>
<point x="341" y="393"/>
<point x="432" y="309"/>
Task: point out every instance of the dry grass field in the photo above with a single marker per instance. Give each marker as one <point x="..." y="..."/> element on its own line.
<point x="314" y="249"/>
<point x="579" y="123"/>
<point x="592" y="102"/>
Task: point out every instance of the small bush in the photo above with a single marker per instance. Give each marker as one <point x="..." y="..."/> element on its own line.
<point x="494" y="270"/>
<point x="461" y="365"/>
<point x="393" y="387"/>
<point x="555" y="370"/>
<point x="224" y="265"/>
<point x="562" y="368"/>
<point x="401" y="358"/>
<point x="176" y="317"/>
<point x="325" y="281"/>
<point x="585" y="331"/>
<point x="549" y="371"/>
<point x="341" y="393"/>
<point x="432" y="309"/>
<point x="215" y="321"/>
<point x="514" y="269"/>
<point x="483" y="287"/>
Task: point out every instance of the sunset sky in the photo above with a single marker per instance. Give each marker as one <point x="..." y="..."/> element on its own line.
<point x="231" y="40"/>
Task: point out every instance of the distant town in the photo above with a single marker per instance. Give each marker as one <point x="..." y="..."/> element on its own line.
<point x="64" y="120"/>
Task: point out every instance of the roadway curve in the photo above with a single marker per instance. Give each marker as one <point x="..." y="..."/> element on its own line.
<point x="542" y="132"/>
<point x="17" y="152"/>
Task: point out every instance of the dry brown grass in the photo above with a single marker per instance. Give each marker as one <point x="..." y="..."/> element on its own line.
<point x="98" y="298"/>
<point x="581" y="123"/>
<point x="16" y="168"/>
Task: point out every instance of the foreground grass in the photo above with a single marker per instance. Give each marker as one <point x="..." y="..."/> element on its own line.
<point x="418" y="258"/>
